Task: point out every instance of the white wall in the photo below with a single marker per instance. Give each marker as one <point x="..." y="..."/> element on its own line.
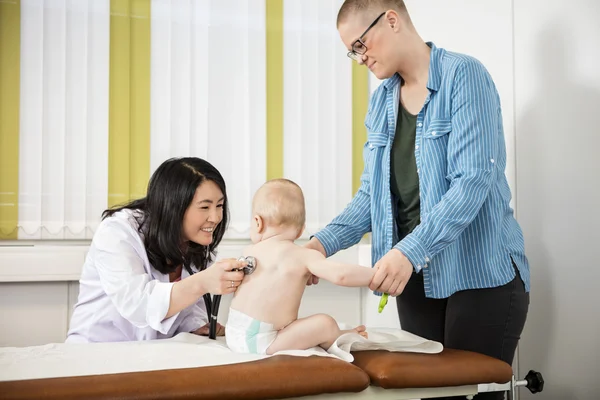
<point x="557" y="88"/>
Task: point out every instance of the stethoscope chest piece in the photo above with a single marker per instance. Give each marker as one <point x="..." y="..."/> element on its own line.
<point x="251" y="261"/>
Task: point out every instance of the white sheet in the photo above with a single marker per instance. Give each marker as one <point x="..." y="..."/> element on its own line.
<point x="379" y="339"/>
<point x="185" y="350"/>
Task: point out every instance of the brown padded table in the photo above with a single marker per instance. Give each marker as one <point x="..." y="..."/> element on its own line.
<point x="418" y="370"/>
<point x="277" y="377"/>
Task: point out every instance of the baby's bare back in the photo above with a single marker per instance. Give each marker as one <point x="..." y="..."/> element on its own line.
<point x="273" y="293"/>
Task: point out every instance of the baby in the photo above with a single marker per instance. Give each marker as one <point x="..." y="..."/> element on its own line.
<point x="263" y="317"/>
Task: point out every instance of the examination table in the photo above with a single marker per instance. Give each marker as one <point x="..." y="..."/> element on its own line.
<point x="162" y="371"/>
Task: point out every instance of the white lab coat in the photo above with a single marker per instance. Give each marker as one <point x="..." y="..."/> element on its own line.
<point x="121" y="296"/>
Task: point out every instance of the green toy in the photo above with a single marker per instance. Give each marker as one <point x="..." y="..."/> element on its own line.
<point x="383" y="302"/>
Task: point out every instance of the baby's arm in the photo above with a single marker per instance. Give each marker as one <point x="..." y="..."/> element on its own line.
<point x="341" y="274"/>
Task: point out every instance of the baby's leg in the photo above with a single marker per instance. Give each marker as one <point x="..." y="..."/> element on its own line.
<point x="304" y="333"/>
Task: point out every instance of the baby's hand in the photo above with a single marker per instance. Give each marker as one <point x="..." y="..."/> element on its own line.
<point x="203" y="331"/>
<point x="312" y="280"/>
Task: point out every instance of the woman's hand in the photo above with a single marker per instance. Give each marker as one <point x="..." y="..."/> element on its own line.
<point x="203" y="331"/>
<point x="392" y="273"/>
<point x="221" y="277"/>
<point x="314" y="244"/>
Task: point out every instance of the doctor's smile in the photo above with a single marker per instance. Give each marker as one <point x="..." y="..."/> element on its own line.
<point x="204" y="214"/>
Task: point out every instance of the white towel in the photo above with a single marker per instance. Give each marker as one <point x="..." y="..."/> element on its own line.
<point x="379" y="339"/>
<point x="185" y="350"/>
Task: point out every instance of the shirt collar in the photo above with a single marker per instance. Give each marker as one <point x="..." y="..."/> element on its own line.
<point x="435" y="67"/>
<point x="435" y="70"/>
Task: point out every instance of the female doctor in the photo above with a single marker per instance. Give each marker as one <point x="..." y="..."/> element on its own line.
<point x="147" y="268"/>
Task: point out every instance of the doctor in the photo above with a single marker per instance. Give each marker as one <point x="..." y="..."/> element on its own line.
<point x="148" y="265"/>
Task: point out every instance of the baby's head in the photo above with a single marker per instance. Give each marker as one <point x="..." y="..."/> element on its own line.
<point x="278" y="209"/>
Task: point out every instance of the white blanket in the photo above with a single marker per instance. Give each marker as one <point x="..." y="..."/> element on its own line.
<point x="379" y="339"/>
<point x="185" y="350"/>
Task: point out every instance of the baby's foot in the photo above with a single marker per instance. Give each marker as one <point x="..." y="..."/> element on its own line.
<point x="361" y="330"/>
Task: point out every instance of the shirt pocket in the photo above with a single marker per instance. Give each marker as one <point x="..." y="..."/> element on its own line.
<point x="438" y="128"/>
<point x="376" y="139"/>
<point x="375" y="146"/>
<point x="434" y="153"/>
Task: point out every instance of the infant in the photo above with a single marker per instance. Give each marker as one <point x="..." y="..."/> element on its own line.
<point x="263" y="318"/>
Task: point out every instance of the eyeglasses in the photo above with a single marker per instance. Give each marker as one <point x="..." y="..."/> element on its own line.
<point x="358" y="46"/>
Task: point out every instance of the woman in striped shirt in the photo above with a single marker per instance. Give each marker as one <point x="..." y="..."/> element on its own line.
<point x="434" y="193"/>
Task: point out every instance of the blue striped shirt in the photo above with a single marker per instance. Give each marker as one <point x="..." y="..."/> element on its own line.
<point x="468" y="233"/>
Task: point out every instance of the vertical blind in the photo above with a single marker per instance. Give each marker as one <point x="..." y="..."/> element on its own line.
<point x="63" y="134"/>
<point x="317" y="108"/>
<point x="109" y="89"/>
<point x="208" y="92"/>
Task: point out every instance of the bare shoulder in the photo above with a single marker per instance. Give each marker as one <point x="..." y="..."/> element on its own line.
<point x="309" y="255"/>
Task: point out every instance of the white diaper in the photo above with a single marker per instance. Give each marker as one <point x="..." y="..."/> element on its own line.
<point x="245" y="334"/>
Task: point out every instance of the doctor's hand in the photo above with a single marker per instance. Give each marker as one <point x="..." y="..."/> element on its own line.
<point x="314" y="244"/>
<point x="392" y="273"/>
<point x="220" y="278"/>
<point x="203" y="331"/>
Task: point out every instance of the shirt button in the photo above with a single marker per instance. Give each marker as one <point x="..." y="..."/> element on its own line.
<point x="370" y="146"/>
<point x="419" y="124"/>
<point x="492" y="160"/>
<point x="426" y="259"/>
<point x="418" y="170"/>
<point x="417" y="146"/>
<point x="433" y="133"/>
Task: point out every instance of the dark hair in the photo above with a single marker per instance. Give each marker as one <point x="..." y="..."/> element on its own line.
<point x="170" y="191"/>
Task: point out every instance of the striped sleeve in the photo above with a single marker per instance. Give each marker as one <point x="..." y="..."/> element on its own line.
<point x="472" y="151"/>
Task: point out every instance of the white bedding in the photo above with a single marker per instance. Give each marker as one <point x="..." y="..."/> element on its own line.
<point x="185" y="350"/>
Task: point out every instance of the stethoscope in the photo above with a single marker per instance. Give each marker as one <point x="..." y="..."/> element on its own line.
<point x="212" y="304"/>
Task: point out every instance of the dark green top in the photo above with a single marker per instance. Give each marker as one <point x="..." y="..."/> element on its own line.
<point x="404" y="181"/>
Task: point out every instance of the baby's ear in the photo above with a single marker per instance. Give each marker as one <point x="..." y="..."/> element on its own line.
<point x="260" y="223"/>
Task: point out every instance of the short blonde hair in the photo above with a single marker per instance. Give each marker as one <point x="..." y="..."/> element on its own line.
<point x="280" y="202"/>
<point x="368" y="8"/>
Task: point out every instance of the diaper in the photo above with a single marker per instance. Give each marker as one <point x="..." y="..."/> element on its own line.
<point x="245" y="334"/>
